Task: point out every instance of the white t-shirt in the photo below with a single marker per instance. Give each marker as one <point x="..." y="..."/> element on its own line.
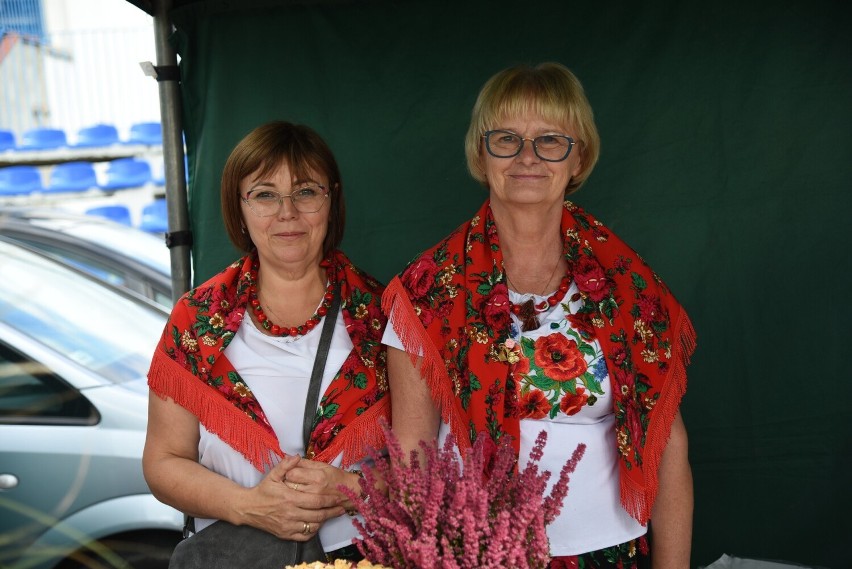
<point x="278" y="371"/>
<point x="591" y="517"/>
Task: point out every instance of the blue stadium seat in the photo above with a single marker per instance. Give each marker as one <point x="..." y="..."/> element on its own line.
<point x="126" y="173"/>
<point x="7" y="140"/>
<point x="19" y="180"/>
<point x="72" y="177"/>
<point x="154" y="217"/>
<point x="118" y="213"/>
<point x="43" y="139"/>
<point x="150" y="133"/>
<point x="97" y="135"/>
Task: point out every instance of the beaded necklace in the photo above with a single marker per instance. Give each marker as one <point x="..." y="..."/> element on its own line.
<point x="528" y="310"/>
<point x="277" y="330"/>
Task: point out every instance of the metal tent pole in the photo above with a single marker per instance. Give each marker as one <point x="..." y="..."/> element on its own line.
<point x="178" y="237"/>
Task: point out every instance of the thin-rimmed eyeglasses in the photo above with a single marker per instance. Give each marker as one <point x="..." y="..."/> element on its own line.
<point x="306" y="199"/>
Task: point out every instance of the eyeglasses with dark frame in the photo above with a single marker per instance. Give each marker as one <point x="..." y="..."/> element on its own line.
<point x="548" y="147"/>
<point x="308" y="198"/>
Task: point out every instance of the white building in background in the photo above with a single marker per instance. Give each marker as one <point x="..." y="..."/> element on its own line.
<point x="85" y="71"/>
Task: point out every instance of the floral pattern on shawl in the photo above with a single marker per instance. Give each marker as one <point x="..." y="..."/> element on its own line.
<point x="189" y="366"/>
<point x="451" y="304"/>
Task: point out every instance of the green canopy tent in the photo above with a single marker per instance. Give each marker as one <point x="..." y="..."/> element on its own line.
<point x="726" y="131"/>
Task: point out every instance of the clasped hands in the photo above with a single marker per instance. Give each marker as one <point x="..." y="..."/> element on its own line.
<point x="298" y="495"/>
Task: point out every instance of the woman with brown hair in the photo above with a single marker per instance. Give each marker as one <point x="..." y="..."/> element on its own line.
<point x="238" y="390"/>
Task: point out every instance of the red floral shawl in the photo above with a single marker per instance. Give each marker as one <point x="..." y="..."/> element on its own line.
<point x="189" y="366"/>
<point x="451" y="304"/>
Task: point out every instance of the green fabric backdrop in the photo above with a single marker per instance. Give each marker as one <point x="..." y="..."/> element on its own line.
<point x="725" y="161"/>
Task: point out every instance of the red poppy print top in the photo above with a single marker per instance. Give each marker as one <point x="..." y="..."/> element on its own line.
<point x="565" y="389"/>
<point x="451" y="305"/>
<point x="562" y="376"/>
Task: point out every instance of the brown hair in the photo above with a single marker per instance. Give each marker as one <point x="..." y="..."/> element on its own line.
<point x="263" y="150"/>
<point x="549" y="90"/>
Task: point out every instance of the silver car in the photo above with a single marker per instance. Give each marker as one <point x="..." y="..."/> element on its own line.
<point x="115" y="253"/>
<point x="73" y="410"/>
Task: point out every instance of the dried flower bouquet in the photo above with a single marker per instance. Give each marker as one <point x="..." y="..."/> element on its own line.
<point x="443" y="514"/>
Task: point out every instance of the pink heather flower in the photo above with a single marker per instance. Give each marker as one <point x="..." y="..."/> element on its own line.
<point x="443" y="514"/>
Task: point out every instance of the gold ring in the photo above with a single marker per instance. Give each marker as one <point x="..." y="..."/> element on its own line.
<point x="306" y="529"/>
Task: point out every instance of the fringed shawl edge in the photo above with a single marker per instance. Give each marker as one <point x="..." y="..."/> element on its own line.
<point x="366" y="432"/>
<point x="167" y="378"/>
<point x="638" y="500"/>
<point x="415" y="341"/>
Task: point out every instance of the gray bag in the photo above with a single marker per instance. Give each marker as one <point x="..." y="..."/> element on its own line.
<point x="226" y="546"/>
<point x="222" y="545"/>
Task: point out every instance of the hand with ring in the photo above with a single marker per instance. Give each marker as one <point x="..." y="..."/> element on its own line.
<point x="287" y="508"/>
<point x="320" y="478"/>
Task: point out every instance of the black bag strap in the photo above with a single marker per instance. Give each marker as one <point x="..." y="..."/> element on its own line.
<point x="319" y="366"/>
<point x="312" y="399"/>
<point x="313" y="389"/>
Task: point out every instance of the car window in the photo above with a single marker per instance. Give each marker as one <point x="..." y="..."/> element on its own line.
<point x="31" y="394"/>
<point x="163" y="298"/>
<point x="95" y="326"/>
<point x="110" y="251"/>
<point x="100" y="268"/>
<point x="144" y="247"/>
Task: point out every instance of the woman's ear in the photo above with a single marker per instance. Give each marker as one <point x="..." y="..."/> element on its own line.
<point x="480" y="164"/>
<point x="581" y="161"/>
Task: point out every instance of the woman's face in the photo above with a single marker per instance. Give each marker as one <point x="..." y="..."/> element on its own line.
<point x="289" y="237"/>
<point x="527" y="179"/>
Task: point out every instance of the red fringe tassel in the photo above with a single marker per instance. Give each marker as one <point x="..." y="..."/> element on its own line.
<point x="433" y="370"/>
<point x="167" y="378"/>
<point x="638" y="498"/>
<point x="365" y="432"/>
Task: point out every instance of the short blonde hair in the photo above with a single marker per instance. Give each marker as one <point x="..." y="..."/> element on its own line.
<point x="550" y="91"/>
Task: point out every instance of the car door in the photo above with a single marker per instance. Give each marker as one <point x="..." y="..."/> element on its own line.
<point x="73" y="401"/>
<point x="42" y="459"/>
